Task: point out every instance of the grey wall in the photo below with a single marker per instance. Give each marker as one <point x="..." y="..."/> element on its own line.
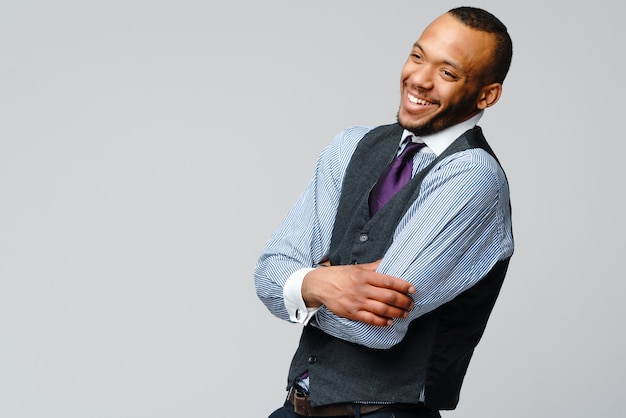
<point x="126" y="250"/>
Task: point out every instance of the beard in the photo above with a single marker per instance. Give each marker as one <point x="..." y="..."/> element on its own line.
<point x="454" y="114"/>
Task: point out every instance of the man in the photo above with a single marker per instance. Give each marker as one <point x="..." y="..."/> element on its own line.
<point x="395" y="292"/>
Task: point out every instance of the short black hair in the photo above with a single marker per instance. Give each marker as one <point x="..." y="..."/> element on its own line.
<point x="482" y="20"/>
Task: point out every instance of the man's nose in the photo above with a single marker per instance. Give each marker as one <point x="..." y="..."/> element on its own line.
<point x="422" y="77"/>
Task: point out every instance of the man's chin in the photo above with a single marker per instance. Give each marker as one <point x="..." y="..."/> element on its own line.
<point x="421" y="129"/>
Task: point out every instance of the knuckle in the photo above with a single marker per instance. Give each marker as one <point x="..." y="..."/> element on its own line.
<point x="391" y="297"/>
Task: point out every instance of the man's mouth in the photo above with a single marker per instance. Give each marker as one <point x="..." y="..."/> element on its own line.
<point x="417" y="100"/>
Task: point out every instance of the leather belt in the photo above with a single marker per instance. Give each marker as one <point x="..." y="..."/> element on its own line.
<point x="302" y="406"/>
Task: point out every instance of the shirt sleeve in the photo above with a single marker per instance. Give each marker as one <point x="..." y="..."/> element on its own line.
<point x="450" y="238"/>
<point x="303" y="239"/>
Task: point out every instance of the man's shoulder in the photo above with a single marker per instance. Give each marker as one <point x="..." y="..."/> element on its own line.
<point x="355" y="132"/>
<point x="346" y="141"/>
<point x="473" y="163"/>
<point x="354" y="135"/>
<point x="384" y="130"/>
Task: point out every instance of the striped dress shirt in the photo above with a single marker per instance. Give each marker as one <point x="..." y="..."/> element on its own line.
<point x="450" y="237"/>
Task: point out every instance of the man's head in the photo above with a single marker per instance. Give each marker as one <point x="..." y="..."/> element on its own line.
<point x="455" y="70"/>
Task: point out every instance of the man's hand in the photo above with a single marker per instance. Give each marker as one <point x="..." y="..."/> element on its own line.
<point x="358" y="292"/>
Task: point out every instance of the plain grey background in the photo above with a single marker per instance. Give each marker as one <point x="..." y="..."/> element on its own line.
<point x="149" y="148"/>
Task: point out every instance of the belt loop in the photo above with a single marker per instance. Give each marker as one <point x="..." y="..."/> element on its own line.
<point x="357" y="410"/>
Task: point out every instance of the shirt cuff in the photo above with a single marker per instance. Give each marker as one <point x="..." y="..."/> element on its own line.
<point x="292" y="295"/>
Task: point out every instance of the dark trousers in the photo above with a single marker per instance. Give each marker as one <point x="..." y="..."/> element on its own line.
<point x="287" y="412"/>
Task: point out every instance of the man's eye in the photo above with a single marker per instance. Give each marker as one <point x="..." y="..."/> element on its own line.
<point x="448" y="74"/>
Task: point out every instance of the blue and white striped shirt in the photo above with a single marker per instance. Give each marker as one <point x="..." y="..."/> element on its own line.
<point x="450" y="237"/>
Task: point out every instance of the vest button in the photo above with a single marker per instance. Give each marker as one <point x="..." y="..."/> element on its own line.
<point x="312" y="360"/>
<point x="363" y="238"/>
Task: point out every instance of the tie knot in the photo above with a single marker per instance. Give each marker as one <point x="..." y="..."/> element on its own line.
<point x="410" y="149"/>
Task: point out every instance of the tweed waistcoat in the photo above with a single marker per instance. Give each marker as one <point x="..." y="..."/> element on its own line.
<point x="435" y="353"/>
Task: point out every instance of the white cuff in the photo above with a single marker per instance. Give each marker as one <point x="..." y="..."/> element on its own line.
<point x="292" y="295"/>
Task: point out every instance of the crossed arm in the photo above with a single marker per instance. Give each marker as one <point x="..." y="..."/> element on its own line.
<point x="449" y="239"/>
<point x="358" y="292"/>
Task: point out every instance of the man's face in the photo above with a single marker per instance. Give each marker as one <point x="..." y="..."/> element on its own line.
<point x="441" y="82"/>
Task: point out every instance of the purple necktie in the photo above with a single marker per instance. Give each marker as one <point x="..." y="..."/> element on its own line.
<point x="394" y="177"/>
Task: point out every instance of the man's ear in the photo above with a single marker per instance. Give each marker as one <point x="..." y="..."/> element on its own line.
<point x="489" y="95"/>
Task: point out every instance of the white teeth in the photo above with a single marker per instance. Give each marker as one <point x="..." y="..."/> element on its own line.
<point x="416" y="100"/>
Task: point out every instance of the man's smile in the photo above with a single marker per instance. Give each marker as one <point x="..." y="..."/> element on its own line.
<point x="417" y="100"/>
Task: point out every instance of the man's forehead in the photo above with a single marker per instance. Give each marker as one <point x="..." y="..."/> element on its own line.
<point x="449" y="36"/>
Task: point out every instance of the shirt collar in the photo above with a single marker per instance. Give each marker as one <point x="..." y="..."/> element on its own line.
<point x="441" y="140"/>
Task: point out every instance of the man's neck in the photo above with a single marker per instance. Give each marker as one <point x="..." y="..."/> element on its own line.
<point x="441" y="140"/>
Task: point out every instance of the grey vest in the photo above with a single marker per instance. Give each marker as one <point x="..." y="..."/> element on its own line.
<point x="437" y="348"/>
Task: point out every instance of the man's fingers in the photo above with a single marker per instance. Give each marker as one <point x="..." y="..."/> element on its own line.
<point x="386" y="310"/>
<point x="379" y="314"/>
<point x="389" y="297"/>
<point x="392" y="294"/>
<point x="391" y="282"/>
<point x="373" y="319"/>
<point x="385" y="280"/>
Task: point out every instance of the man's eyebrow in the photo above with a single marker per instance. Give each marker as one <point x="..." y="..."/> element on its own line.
<point x="453" y="65"/>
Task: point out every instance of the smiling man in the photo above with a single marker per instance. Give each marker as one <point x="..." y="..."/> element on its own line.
<point x="395" y="253"/>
